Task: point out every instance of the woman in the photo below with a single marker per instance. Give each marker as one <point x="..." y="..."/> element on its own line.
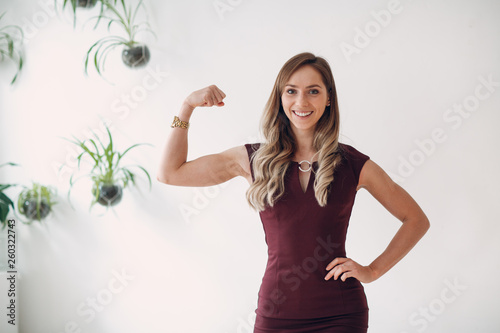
<point x="303" y="182"/>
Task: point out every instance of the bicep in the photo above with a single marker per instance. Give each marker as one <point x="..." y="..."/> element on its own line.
<point x="211" y="169"/>
<point x="392" y="196"/>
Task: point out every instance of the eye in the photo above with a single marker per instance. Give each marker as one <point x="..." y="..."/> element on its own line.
<point x="290" y="91"/>
<point x="314" y="91"/>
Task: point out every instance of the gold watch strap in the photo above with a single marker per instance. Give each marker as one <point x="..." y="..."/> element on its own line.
<point x="179" y="123"/>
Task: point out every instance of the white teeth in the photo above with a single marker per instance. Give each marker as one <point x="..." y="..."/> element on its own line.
<point x="302" y="114"/>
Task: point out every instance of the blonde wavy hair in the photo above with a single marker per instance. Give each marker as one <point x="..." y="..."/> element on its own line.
<point x="272" y="160"/>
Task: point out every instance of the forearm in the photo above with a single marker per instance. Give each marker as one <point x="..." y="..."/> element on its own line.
<point x="410" y="232"/>
<point x="176" y="148"/>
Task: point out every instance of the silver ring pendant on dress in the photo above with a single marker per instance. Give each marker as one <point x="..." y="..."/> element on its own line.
<point x="300" y="166"/>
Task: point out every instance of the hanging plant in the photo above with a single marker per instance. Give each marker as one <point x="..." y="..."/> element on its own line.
<point x="79" y="4"/>
<point x="11" y="40"/>
<point x="84" y="4"/>
<point x="134" y="54"/>
<point x="5" y="202"/>
<point x="36" y="202"/>
<point x="109" y="178"/>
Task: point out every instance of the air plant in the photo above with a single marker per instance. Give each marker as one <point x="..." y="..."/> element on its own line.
<point x="108" y="176"/>
<point x="11" y="39"/>
<point x="134" y="54"/>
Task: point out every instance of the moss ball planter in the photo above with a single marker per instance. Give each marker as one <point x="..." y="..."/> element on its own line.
<point x="36" y="203"/>
<point x="136" y="56"/>
<point x="86" y="3"/>
<point x="108" y="194"/>
<point x="109" y="177"/>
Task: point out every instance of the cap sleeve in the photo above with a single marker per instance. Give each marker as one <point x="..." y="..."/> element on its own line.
<point x="354" y="158"/>
<point x="251" y="149"/>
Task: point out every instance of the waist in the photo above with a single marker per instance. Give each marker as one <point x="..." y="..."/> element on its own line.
<point x="301" y="291"/>
<point x="310" y="296"/>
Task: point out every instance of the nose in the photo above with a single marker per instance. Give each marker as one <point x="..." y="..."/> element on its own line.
<point x="302" y="99"/>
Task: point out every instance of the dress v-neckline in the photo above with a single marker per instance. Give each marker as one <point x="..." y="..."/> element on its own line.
<point x="297" y="177"/>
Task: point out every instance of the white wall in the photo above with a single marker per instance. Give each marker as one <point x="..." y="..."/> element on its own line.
<point x="202" y="273"/>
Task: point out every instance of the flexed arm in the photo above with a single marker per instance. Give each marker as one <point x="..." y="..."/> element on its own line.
<point x="206" y="170"/>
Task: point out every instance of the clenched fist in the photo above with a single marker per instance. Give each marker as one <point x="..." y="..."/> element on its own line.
<point x="208" y="96"/>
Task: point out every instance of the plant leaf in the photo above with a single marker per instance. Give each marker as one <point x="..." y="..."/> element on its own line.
<point x="109" y="151"/>
<point x="96" y="148"/>
<point x="105" y="52"/>
<point x="5" y="186"/>
<point x="101" y="12"/>
<point x="9" y="163"/>
<point x="98" y="44"/>
<point x="133" y="146"/>
<point x="4" y="210"/>
<point x="88" y="151"/>
<point x="147" y="174"/>
<point x="125" y="168"/>
<point x="136" y="10"/>
<point x="5" y="199"/>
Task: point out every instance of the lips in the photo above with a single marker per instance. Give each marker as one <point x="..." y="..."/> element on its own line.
<point x="302" y="114"/>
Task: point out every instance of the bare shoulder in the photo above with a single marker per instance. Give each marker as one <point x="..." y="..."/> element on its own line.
<point x="241" y="164"/>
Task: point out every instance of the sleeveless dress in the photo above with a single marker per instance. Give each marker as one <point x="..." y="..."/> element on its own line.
<point x="302" y="239"/>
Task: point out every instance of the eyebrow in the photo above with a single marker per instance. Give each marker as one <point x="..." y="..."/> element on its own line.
<point x="311" y="86"/>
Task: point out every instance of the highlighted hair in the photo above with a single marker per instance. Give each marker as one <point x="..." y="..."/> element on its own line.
<point x="272" y="160"/>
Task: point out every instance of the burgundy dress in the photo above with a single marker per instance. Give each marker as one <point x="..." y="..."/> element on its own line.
<point x="302" y="239"/>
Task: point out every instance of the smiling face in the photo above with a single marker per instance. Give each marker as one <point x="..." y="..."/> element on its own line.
<point x="304" y="99"/>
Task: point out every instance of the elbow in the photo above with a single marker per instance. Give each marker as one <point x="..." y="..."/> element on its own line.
<point x="420" y="223"/>
<point x="425" y="224"/>
<point x="162" y="178"/>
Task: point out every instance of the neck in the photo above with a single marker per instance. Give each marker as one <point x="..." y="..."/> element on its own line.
<point x="304" y="144"/>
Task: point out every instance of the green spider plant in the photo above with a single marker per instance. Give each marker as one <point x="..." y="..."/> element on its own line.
<point x="75" y="4"/>
<point x="36" y="202"/>
<point x="106" y="169"/>
<point x="10" y="37"/>
<point x="5" y="202"/>
<point x="134" y="54"/>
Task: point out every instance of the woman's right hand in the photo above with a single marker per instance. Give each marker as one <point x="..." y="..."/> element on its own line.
<point x="208" y="96"/>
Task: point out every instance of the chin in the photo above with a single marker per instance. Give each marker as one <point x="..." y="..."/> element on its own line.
<point x="309" y="126"/>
